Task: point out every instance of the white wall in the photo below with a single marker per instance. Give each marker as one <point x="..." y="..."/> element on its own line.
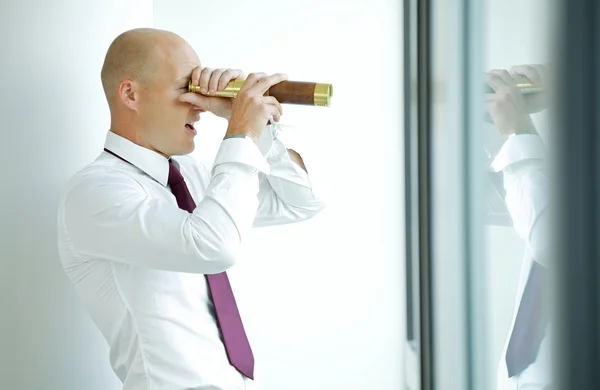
<point x="323" y="301"/>
<point x="53" y="122"/>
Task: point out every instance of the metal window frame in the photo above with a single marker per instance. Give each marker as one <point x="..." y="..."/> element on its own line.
<point x="577" y="170"/>
<point x="452" y="335"/>
<point x="418" y="346"/>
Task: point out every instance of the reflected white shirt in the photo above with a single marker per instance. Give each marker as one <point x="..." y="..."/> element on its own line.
<point x="521" y="159"/>
<point x="137" y="260"/>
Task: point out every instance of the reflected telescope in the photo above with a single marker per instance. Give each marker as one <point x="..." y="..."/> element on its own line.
<point x="291" y="92"/>
<point x="524" y="85"/>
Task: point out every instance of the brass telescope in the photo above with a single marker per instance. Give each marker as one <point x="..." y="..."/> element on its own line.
<point x="291" y="92"/>
<point x="523" y="84"/>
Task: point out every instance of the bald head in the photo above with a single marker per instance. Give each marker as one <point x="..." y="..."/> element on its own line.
<point x="137" y="55"/>
<point x="145" y="73"/>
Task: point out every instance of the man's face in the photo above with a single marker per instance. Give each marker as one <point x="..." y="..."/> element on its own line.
<point x="164" y="120"/>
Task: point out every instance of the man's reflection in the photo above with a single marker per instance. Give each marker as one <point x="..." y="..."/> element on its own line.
<point x="525" y="362"/>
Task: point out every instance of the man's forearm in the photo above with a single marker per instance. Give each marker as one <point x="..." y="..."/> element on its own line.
<point x="297" y="159"/>
<point x="527" y="199"/>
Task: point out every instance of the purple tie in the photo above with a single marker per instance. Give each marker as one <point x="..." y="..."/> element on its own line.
<point x="228" y="317"/>
<point x="530" y="323"/>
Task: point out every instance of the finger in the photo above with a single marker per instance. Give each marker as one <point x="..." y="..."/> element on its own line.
<point x="213" y="82"/>
<point x="227" y="76"/>
<point x="542" y="71"/>
<point x="194" y="99"/>
<point x="196" y="75"/>
<point x="204" y="79"/>
<point x="271" y="100"/>
<point x="252" y="80"/>
<point x="267" y="82"/>
<point x="495" y="82"/>
<point x="505" y="76"/>
<point x="509" y="86"/>
<point x="275" y="111"/>
<point x="528" y="71"/>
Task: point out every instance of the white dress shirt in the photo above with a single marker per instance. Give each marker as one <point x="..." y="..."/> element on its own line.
<point x="137" y="260"/>
<point x="521" y="159"/>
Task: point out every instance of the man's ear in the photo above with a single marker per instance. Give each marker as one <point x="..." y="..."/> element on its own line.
<point x="127" y="93"/>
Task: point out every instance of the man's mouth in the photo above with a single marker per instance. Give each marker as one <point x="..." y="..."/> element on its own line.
<point x="190" y="127"/>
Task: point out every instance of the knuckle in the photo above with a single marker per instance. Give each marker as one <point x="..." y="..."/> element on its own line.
<point x="206" y="72"/>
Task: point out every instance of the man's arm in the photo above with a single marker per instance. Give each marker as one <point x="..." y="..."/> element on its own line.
<point x="286" y="194"/>
<point x="527" y="194"/>
<point x="112" y="217"/>
<point x="297" y="159"/>
<point x="521" y="159"/>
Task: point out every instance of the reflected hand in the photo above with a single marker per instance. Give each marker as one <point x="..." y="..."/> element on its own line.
<point x="506" y="107"/>
<point x="538" y="75"/>
<point x="211" y="80"/>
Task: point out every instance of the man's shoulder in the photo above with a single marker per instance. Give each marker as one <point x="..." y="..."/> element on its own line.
<point x="103" y="170"/>
<point x="189" y="160"/>
<point x="195" y="166"/>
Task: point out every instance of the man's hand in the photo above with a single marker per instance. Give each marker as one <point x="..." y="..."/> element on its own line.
<point x="251" y="110"/>
<point x="538" y="75"/>
<point x="507" y="107"/>
<point x="210" y="81"/>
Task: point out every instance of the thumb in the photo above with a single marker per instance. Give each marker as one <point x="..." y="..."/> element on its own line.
<point x="196" y="99"/>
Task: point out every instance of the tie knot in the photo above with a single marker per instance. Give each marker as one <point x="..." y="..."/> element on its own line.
<point x="175" y="176"/>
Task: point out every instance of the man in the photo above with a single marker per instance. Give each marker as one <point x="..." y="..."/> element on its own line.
<point x="525" y="362"/>
<point x="146" y="234"/>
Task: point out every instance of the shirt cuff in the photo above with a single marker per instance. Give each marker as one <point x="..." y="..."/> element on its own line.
<point x="241" y="151"/>
<point x="276" y="153"/>
<point x="265" y="141"/>
<point x="518" y="148"/>
<point x="282" y="165"/>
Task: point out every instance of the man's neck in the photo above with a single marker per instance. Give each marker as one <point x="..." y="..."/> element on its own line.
<point x="132" y="134"/>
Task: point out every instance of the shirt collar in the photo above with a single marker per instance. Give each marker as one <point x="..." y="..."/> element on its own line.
<point x="153" y="164"/>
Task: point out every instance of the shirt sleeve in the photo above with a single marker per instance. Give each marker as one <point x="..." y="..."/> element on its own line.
<point x="111" y="216"/>
<point x="286" y="194"/>
<point x="521" y="159"/>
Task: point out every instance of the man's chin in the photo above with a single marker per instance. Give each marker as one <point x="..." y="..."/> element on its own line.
<point x="185" y="150"/>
